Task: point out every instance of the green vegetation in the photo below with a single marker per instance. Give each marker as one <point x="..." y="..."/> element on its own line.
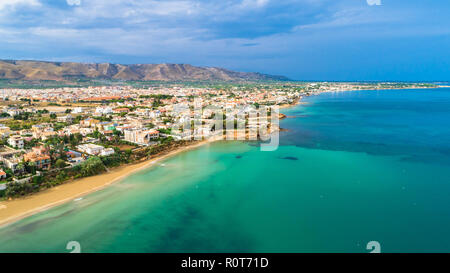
<point x="92" y="166"/>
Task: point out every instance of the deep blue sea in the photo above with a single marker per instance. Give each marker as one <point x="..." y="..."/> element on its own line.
<point x="354" y="167"/>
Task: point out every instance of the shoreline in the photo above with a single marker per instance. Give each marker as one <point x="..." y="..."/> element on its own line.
<point x="12" y="211"/>
<point x="300" y="100"/>
<point x="15" y="210"/>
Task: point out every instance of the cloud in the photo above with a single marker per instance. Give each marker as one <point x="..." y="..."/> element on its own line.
<point x="374" y="2"/>
<point x="4" y="4"/>
<point x="254" y="3"/>
<point x="73" y="2"/>
<point x="252" y="35"/>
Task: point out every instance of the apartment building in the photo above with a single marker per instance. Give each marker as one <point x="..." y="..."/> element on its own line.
<point x="141" y="136"/>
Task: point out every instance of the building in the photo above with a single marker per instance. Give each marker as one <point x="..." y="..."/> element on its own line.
<point x="141" y="136"/>
<point x="40" y="129"/>
<point x="89" y="122"/>
<point x="66" y="119"/>
<point x="14" y="112"/>
<point x="12" y="162"/>
<point x="91" y="149"/>
<point x="2" y="174"/>
<point x="103" y="110"/>
<point x="16" y="142"/>
<point x="121" y="110"/>
<point x="77" y="110"/>
<point x="5" y="131"/>
<point x="39" y="156"/>
<point x="48" y="134"/>
<point x="107" y="152"/>
<point x="74" y="157"/>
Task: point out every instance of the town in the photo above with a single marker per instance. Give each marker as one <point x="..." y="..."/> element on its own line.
<point x="53" y="135"/>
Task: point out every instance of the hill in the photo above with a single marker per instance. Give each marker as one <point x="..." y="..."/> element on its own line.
<point x="62" y="71"/>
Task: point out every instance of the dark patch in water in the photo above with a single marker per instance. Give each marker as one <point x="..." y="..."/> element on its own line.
<point x="253" y="144"/>
<point x="29" y="227"/>
<point x="290" y="158"/>
<point x="239" y="156"/>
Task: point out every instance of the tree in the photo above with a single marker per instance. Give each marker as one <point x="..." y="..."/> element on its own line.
<point x="30" y="167"/>
<point x="37" y="180"/>
<point x="21" y="166"/>
<point x="17" y="189"/>
<point x="96" y="134"/>
<point x="61" y="176"/>
<point x="60" y="163"/>
<point x="78" y="137"/>
<point x="53" y="116"/>
<point x="92" y="166"/>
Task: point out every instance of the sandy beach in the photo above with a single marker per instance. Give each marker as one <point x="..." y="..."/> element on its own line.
<point x="14" y="210"/>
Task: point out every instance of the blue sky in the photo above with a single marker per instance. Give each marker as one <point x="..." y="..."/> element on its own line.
<point x="301" y="39"/>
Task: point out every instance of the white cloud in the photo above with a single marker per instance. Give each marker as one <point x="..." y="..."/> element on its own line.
<point x="13" y="3"/>
<point x="254" y="3"/>
<point x="73" y="2"/>
<point x="374" y="2"/>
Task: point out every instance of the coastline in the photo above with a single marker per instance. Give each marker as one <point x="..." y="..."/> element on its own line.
<point x="12" y="211"/>
<point x="20" y="208"/>
<point x="299" y="101"/>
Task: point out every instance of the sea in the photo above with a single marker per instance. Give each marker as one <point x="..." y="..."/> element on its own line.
<point x="351" y="168"/>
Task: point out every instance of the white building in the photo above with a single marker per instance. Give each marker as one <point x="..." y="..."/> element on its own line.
<point x="77" y="110"/>
<point x="66" y="118"/>
<point x="104" y="110"/>
<point x="142" y="137"/>
<point x="107" y="152"/>
<point x="91" y="149"/>
<point x="16" y="142"/>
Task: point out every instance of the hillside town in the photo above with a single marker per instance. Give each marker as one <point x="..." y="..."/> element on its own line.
<point x="48" y="136"/>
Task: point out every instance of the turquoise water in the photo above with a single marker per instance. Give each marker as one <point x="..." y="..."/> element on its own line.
<point x="355" y="167"/>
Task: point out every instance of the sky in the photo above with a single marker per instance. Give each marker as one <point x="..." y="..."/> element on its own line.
<point x="332" y="40"/>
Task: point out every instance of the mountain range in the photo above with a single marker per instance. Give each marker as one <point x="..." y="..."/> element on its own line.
<point x="62" y="71"/>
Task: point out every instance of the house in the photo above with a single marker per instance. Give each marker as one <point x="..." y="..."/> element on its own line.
<point x="40" y="150"/>
<point x="26" y="132"/>
<point x="91" y="149"/>
<point x="109" y="127"/>
<point x="5" y="131"/>
<point x="124" y="127"/>
<point x="89" y="122"/>
<point x="105" y="125"/>
<point x="143" y="112"/>
<point x="41" y="127"/>
<point x="66" y="119"/>
<point x="71" y="131"/>
<point x="38" y="130"/>
<point x="74" y="157"/>
<point x="86" y="131"/>
<point x="48" y="134"/>
<point x="107" y="152"/>
<point x="2" y="174"/>
<point x="41" y="161"/>
<point x="73" y="154"/>
<point x="12" y="162"/>
<point x="14" y="112"/>
<point x="121" y="110"/>
<point x="103" y="110"/>
<point x="77" y="110"/>
<point x="16" y="142"/>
